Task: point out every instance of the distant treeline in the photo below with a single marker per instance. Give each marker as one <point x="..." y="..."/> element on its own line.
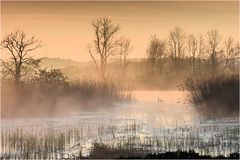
<point x="185" y="55"/>
<point x="187" y="51"/>
<point x="172" y="60"/>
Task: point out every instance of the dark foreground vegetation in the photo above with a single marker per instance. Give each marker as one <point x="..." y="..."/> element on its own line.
<point x="100" y="151"/>
<point x="218" y="95"/>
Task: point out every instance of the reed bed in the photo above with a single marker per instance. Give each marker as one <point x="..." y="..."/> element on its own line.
<point x="214" y="96"/>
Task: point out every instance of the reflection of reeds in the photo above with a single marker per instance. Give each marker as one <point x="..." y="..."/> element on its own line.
<point x="69" y="142"/>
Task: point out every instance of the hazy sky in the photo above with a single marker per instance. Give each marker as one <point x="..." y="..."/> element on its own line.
<point x="65" y="30"/>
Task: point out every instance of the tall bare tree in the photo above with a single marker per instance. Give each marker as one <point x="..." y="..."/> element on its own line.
<point x="125" y="49"/>
<point x="201" y="50"/>
<point x="201" y="46"/>
<point x="214" y="39"/>
<point x="231" y="53"/>
<point x="176" y="39"/>
<point x="192" y="48"/>
<point x="105" y="42"/>
<point x="156" y="51"/>
<point x="19" y="49"/>
<point x="229" y="48"/>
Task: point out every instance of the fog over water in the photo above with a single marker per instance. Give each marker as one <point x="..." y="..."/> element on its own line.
<point x="158" y="108"/>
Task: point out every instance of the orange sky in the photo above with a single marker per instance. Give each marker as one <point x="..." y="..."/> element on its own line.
<point x="65" y="30"/>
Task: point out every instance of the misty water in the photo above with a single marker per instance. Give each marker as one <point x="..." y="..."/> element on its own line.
<point x="160" y="120"/>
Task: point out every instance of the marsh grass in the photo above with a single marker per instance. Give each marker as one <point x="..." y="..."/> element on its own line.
<point x="35" y="145"/>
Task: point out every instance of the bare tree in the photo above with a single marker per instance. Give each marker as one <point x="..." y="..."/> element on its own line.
<point x="214" y="39"/>
<point x="201" y="50"/>
<point x="229" y="48"/>
<point x="176" y="39"/>
<point x="201" y="46"/>
<point x="19" y="49"/>
<point x="105" y="42"/>
<point x="125" y="49"/>
<point x="156" y="51"/>
<point x="231" y="53"/>
<point x="192" y="48"/>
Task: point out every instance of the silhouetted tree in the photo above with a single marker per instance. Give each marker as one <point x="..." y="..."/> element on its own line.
<point x="201" y="50"/>
<point x="201" y="46"/>
<point x="176" y="39"/>
<point x="19" y="48"/>
<point x="229" y="49"/>
<point x="192" y="49"/>
<point x="214" y="39"/>
<point x="156" y="52"/>
<point x="231" y="53"/>
<point x="125" y="49"/>
<point x="105" y="42"/>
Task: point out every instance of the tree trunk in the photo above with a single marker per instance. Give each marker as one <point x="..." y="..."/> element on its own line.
<point x="124" y="67"/>
<point x="213" y="63"/>
<point x="17" y="76"/>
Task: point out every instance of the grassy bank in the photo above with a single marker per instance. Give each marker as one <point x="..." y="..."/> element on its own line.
<point x="217" y="95"/>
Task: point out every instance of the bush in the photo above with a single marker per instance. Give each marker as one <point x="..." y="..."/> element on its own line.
<point x="214" y="95"/>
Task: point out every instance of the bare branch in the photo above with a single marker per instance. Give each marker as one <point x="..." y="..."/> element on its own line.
<point x="19" y="48"/>
<point x="95" y="62"/>
<point x="7" y="66"/>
